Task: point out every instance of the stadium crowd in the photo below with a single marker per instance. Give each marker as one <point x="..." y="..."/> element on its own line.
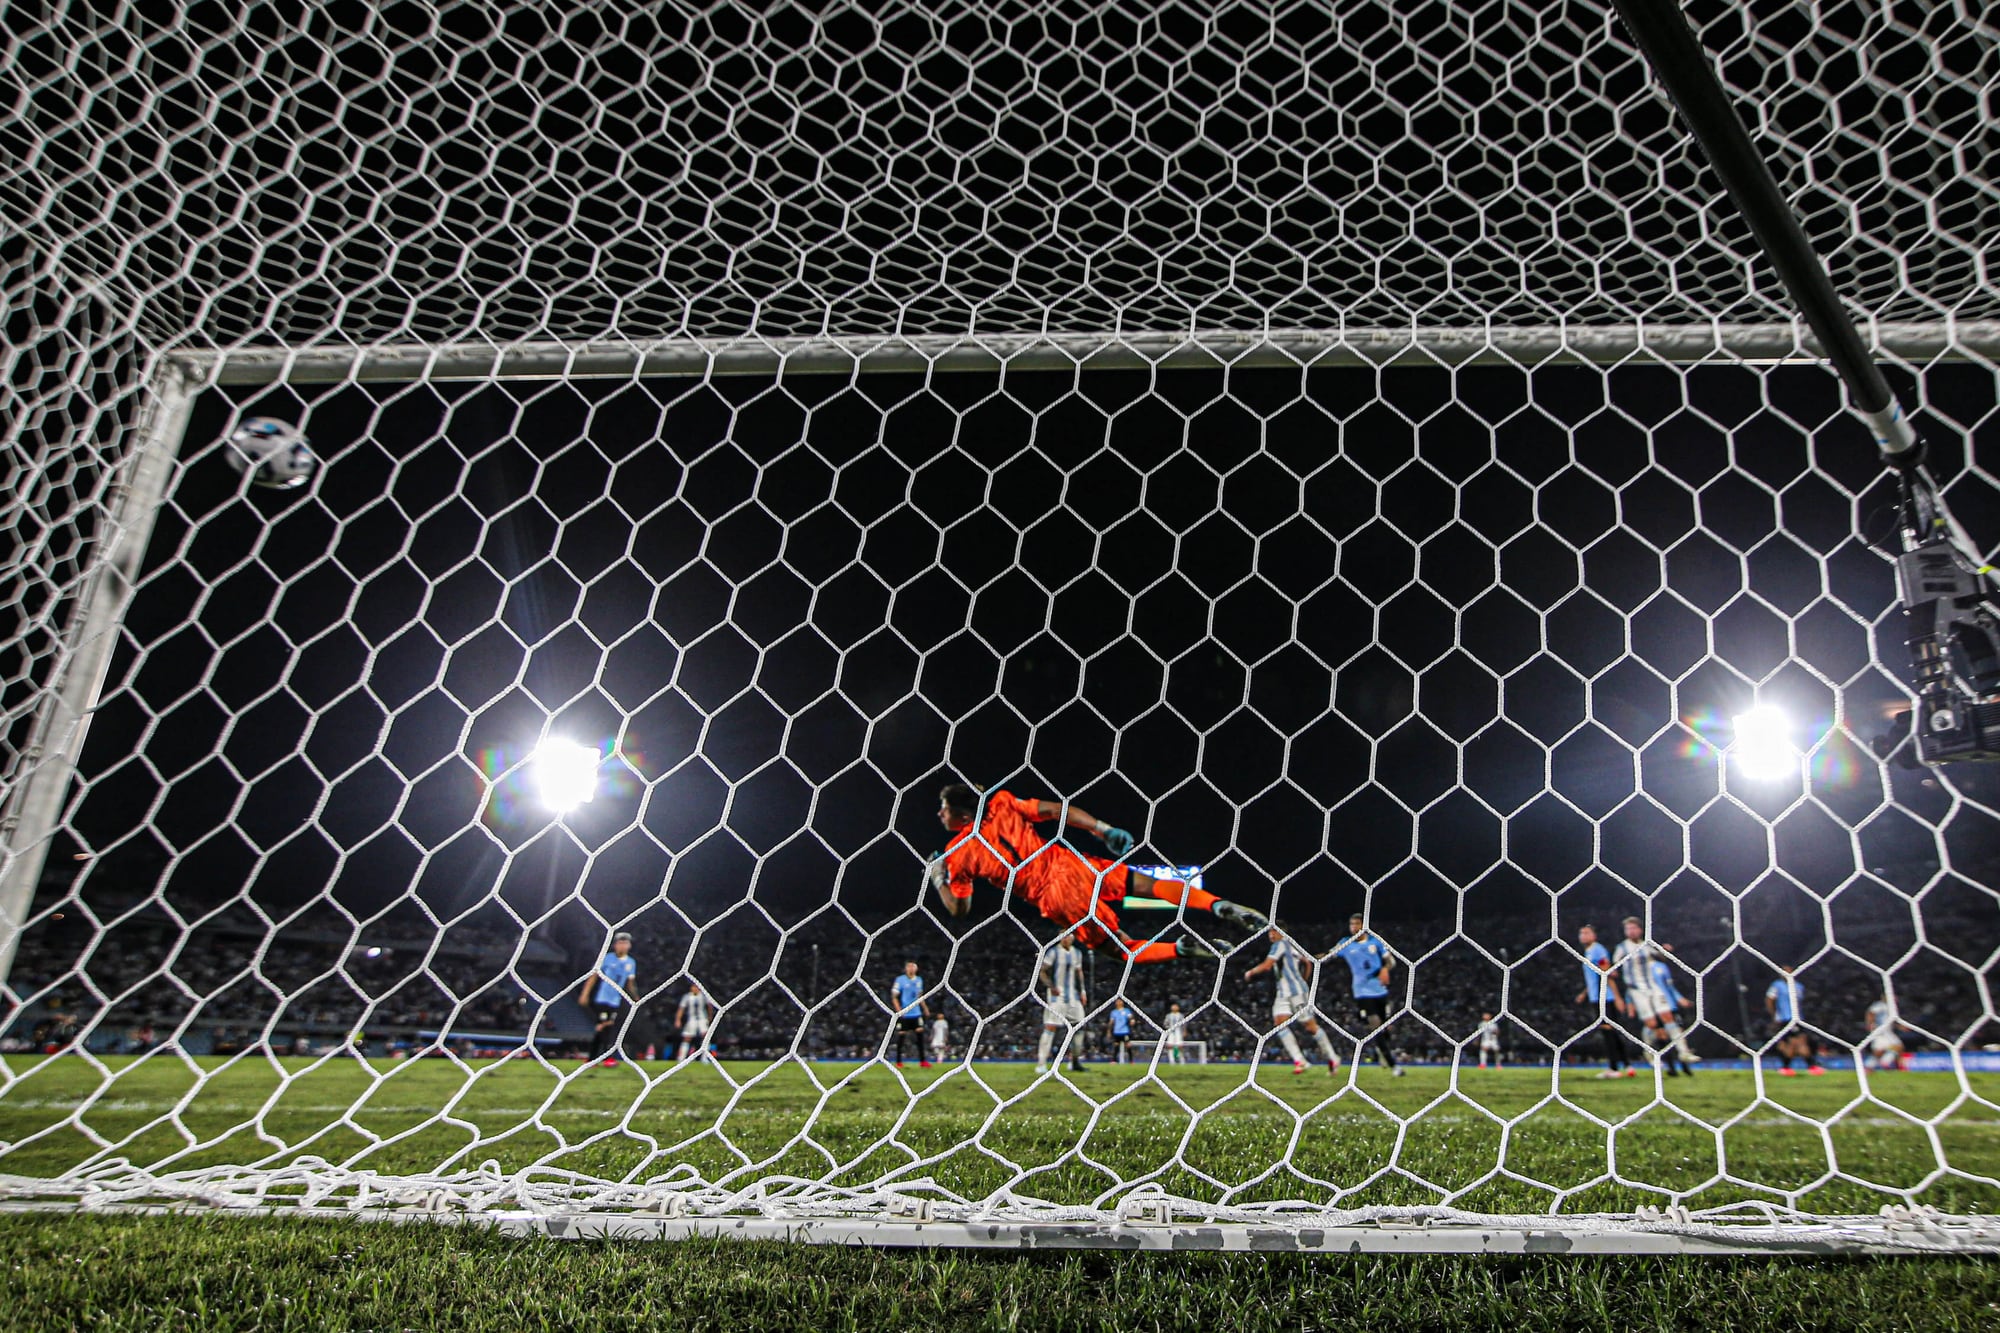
<point x="235" y="981"/>
<point x="825" y="992"/>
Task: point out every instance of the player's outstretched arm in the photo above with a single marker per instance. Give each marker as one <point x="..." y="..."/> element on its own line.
<point x="939" y="876"/>
<point x="1116" y="840"/>
<point x="1260" y="969"/>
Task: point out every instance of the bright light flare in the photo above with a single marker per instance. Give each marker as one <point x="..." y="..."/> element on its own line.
<point x="564" y="774"/>
<point x="1762" y="747"/>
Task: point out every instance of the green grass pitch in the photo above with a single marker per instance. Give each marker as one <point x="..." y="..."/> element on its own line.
<point x="1497" y="1141"/>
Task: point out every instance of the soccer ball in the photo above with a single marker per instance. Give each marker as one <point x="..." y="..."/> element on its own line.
<point x="271" y="453"/>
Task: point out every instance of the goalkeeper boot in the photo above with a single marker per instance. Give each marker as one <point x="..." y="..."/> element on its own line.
<point x="1236" y="914"/>
<point x="1196" y="950"/>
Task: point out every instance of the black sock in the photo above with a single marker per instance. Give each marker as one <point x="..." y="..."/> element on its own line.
<point x="598" y="1041"/>
<point x="1614" y="1049"/>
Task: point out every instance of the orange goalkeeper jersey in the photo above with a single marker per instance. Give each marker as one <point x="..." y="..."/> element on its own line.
<point x="1004" y="849"/>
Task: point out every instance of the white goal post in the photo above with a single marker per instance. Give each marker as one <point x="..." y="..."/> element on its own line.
<point x="1351" y="450"/>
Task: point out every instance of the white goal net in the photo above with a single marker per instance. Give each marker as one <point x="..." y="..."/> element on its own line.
<point x="1350" y="459"/>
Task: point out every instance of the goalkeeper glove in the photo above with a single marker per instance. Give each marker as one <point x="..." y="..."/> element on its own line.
<point x="1116" y="840"/>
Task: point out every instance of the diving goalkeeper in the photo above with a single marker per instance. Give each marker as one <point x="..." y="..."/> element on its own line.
<point x="999" y="844"/>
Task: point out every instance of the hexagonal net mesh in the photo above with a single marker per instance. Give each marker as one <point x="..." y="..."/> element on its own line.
<point x="1280" y="461"/>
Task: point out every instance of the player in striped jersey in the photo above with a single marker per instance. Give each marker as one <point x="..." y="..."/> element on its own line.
<point x="694" y="1019"/>
<point x="1174" y="1032"/>
<point x="1640" y="996"/>
<point x="1061" y="972"/>
<point x="993" y="838"/>
<point x="1489" y="1040"/>
<point x="1293" y="1002"/>
<point x="1885" y="1040"/>
<point x="1600" y="993"/>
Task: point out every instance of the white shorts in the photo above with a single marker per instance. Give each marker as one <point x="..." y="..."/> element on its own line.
<point x="1062" y="1013"/>
<point x="694" y="1031"/>
<point x="1649" y="1002"/>
<point x="1296" y="1003"/>
<point x="1489" y="1045"/>
<point x="1884" y="1042"/>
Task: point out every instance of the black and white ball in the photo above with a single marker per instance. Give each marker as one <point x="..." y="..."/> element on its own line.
<point x="272" y="453"/>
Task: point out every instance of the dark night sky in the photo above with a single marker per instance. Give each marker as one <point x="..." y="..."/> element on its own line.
<point x="1289" y="627"/>
<point x="1295" y="626"/>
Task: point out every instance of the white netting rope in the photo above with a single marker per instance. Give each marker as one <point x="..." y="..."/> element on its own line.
<point x="1478" y="631"/>
<point x="315" y="1188"/>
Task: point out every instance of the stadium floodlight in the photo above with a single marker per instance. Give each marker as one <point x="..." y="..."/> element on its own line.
<point x="1762" y="747"/>
<point x="564" y="773"/>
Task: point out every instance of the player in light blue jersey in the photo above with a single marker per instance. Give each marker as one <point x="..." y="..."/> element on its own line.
<point x="1119" y="1029"/>
<point x="1061" y="971"/>
<point x="1600" y="995"/>
<point x="1371" y="963"/>
<point x="609" y="994"/>
<point x="907" y="995"/>
<point x="1664" y="976"/>
<point x="1784" y="1001"/>
<point x="1292" y="967"/>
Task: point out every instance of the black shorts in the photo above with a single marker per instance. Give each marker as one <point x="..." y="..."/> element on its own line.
<point x="1787" y="1031"/>
<point x="1121" y="1038"/>
<point x="909" y="1024"/>
<point x="1373" y="1006"/>
<point x="609" y="1013"/>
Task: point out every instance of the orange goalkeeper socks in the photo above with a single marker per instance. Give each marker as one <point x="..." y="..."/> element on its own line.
<point x="1173" y="891"/>
<point x="1159" y="951"/>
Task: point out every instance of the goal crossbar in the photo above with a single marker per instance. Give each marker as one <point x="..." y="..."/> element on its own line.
<point x="1212" y="349"/>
